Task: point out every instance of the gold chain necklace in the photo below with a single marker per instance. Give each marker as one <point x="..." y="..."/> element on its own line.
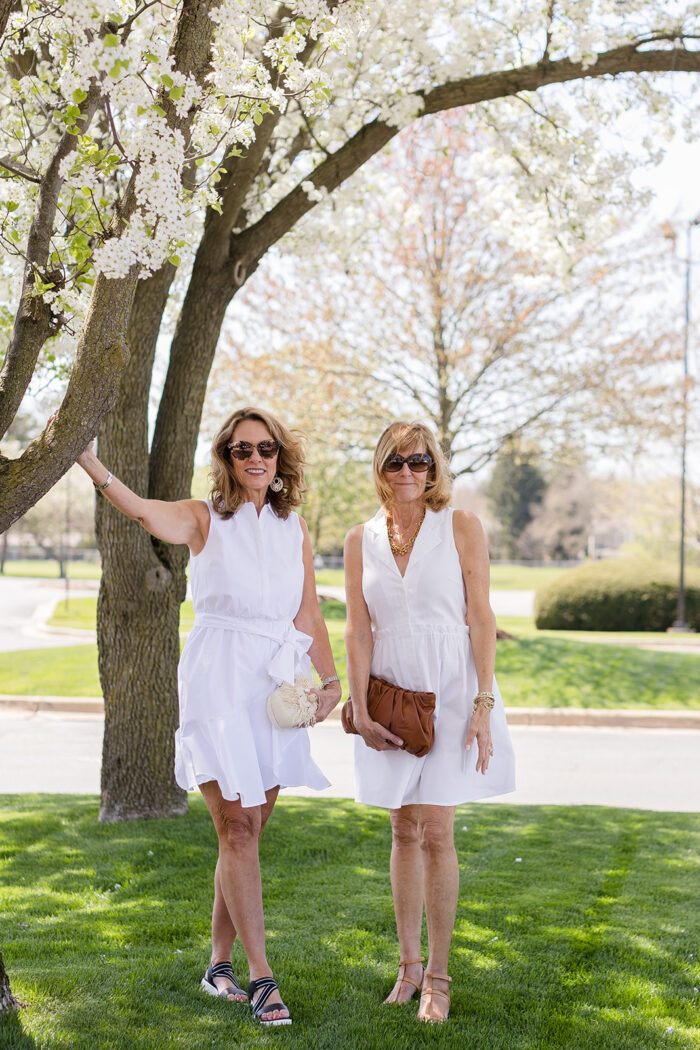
<point x="404" y="548"/>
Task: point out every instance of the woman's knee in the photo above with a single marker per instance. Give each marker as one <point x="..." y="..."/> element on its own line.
<point x="404" y="827"/>
<point x="436" y="836"/>
<point x="238" y="829"/>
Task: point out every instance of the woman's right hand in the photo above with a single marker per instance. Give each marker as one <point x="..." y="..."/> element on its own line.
<point x="376" y="736"/>
<point x="91" y="449"/>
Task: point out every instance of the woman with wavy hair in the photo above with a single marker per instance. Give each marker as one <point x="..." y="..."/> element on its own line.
<point x="418" y="616"/>
<point x="257" y="624"/>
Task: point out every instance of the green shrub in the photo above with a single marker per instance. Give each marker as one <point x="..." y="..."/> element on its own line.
<point x="620" y="595"/>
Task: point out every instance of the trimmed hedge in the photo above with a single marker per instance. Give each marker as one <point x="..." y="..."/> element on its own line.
<point x="619" y="595"/>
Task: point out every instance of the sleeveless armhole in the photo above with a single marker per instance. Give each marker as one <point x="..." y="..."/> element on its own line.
<point x="212" y="514"/>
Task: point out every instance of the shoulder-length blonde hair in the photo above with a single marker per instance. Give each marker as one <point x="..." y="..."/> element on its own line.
<point x="226" y="492"/>
<point x="400" y="437"/>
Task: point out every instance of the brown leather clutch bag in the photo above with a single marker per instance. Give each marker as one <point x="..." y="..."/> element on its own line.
<point x="404" y="712"/>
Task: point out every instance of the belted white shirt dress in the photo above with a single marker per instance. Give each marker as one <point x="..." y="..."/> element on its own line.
<point x="247" y="586"/>
<point x="421" y="641"/>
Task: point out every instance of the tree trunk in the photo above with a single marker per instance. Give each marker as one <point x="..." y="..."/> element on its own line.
<point x="8" y="1003"/>
<point x="143" y="584"/>
<point x="143" y="580"/>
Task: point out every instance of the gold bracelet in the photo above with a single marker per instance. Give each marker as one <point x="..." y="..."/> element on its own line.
<point x="485" y="698"/>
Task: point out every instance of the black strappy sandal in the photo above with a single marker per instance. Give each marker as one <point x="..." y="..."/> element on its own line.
<point x="223" y="969"/>
<point x="266" y="986"/>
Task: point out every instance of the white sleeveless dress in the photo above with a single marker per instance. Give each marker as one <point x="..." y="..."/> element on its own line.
<point x="421" y="641"/>
<point x="247" y="585"/>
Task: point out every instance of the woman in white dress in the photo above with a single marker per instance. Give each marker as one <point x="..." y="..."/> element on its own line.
<point x="257" y="624"/>
<point x="418" y="615"/>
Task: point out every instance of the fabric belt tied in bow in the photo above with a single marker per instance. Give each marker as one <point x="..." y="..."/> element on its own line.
<point x="293" y="644"/>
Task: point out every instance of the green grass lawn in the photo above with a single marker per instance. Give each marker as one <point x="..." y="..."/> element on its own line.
<point x="588" y="941"/>
<point x="537" y="669"/>
<point x="531" y="673"/>
<point x="503" y="577"/>
<point x="522" y="577"/>
<point x="330" y="577"/>
<point x="559" y="672"/>
<point x="47" y="568"/>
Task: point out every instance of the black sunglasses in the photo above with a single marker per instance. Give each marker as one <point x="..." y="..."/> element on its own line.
<point x="418" y="463"/>
<point x="244" y="449"/>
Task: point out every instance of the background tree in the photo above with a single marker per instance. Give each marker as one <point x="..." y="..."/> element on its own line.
<point x="317" y="388"/>
<point x="517" y="485"/>
<point x="239" y="88"/>
<point x="562" y="521"/>
<point x="432" y="311"/>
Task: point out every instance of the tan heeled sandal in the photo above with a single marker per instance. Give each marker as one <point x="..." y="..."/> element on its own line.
<point x="429" y="991"/>
<point x="403" y="979"/>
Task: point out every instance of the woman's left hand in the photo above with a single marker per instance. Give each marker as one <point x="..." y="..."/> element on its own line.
<point x="480" y="729"/>
<point x="328" y="698"/>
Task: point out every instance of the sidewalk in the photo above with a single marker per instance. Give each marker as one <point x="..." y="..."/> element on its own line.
<point x="631" y="718"/>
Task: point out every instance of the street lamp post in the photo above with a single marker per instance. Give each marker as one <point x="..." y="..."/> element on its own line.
<point x="679" y="623"/>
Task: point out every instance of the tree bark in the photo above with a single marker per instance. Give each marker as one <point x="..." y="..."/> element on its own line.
<point x="6" y="7"/>
<point x="100" y="359"/>
<point x="8" y="1003"/>
<point x="142" y="587"/>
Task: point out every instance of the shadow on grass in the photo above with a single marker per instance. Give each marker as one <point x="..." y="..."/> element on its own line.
<point x="574" y="929"/>
<point x="12" y="1034"/>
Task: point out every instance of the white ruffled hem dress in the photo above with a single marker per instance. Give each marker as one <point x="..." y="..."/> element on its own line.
<point x="421" y="641"/>
<point x="247" y="585"/>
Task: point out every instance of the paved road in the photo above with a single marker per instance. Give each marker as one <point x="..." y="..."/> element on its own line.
<point x="25" y="605"/>
<point x="641" y="768"/>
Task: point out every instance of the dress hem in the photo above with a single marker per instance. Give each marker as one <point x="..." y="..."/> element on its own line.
<point x="427" y="802"/>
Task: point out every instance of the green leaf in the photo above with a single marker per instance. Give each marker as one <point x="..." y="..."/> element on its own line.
<point x="166" y="80"/>
<point x="159" y="110"/>
<point x="79" y="95"/>
<point x="174" y="259"/>
<point x="176" y="92"/>
<point x="257" y="117"/>
<point x="111" y="40"/>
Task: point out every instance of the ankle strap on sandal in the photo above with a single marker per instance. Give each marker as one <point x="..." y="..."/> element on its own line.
<point x="410" y="962"/>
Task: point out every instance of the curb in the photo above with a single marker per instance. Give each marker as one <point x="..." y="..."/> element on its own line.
<point x="517" y="716"/>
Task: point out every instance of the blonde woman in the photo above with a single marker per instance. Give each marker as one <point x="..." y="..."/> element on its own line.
<point x="417" y="583"/>
<point x="257" y="623"/>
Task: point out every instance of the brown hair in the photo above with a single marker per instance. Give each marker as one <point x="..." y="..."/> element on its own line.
<point x="226" y="492"/>
<point x="399" y="437"/>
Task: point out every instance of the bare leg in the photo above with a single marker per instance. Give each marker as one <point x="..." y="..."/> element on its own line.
<point x="223" y="931"/>
<point x="223" y="934"/>
<point x="407" y="890"/>
<point x="239" y="831"/>
<point x="441" y="892"/>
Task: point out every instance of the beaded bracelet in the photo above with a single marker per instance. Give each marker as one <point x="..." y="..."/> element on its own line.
<point x="485" y="698"/>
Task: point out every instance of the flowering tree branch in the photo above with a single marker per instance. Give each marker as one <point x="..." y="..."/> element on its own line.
<point x="34" y="321"/>
<point x="102" y="352"/>
<point x="373" y="136"/>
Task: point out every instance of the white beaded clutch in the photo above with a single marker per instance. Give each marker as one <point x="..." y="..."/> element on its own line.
<point x="292" y="705"/>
